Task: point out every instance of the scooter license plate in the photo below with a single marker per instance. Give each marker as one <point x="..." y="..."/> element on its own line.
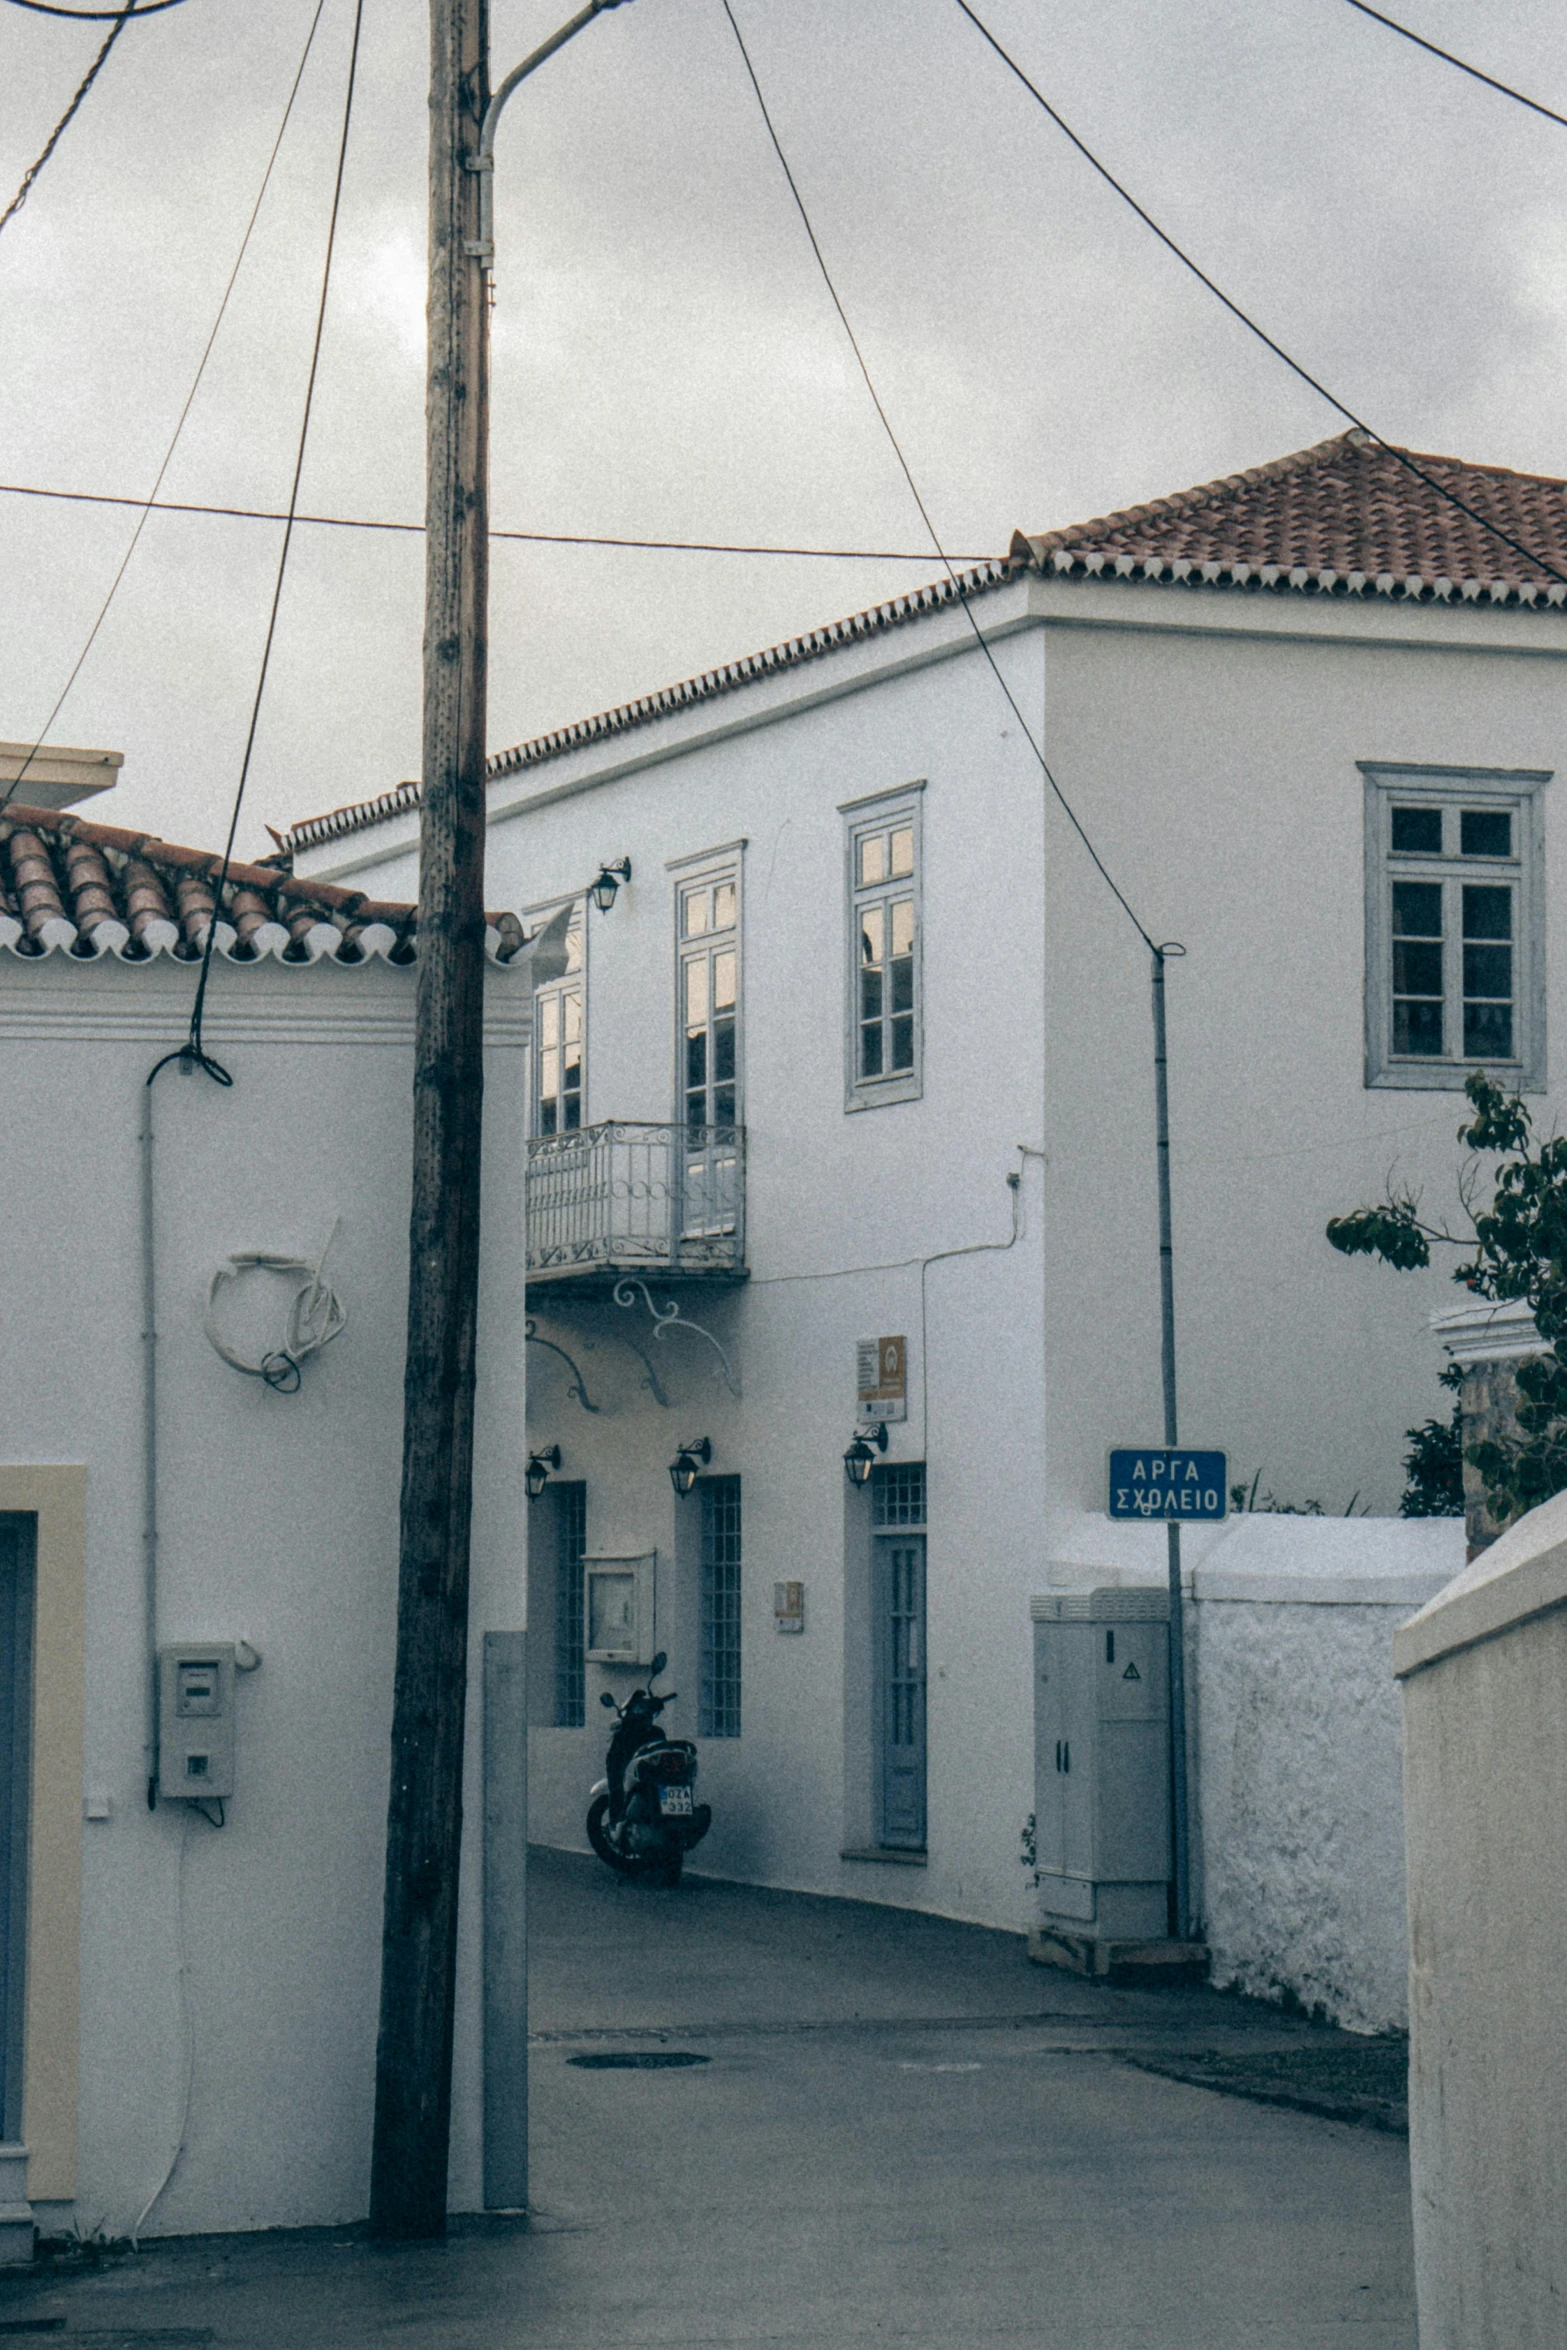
<point x="675" y="1802"/>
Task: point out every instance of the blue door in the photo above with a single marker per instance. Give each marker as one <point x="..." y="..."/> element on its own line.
<point x="16" y="1681"/>
<point x="900" y="1576"/>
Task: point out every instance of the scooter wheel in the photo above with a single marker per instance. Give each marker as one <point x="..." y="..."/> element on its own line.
<point x="598" y="1837"/>
<point x="666" y="1869"/>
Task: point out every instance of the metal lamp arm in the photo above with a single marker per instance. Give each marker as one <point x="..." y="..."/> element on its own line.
<point x="482" y="247"/>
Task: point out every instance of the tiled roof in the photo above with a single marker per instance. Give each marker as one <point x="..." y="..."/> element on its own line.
<point x="1345" y="518"/>
<point x="91" y="889"/>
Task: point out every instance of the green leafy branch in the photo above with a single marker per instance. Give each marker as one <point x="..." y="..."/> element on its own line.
<point x="1516" y="1253"/>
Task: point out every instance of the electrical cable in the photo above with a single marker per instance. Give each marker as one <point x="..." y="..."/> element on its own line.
<point x="1401" y="456"/>
<point x="147" y="504"/>
<point x="121" y="17"/>
<point x="316" y="1313"/>
<point x="198" y="1006"/>
<point x="538" y="538"/>
<point x="1448" y="58"/>
<point x="187" y="2031"/>
<point x="98" y="15"/>
<point x="979" y="635"/>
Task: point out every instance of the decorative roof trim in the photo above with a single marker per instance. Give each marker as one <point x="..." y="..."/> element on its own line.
<point x="897" y="612"/>
<point x="1364" y="499"/>
<point x="73" y="887"/>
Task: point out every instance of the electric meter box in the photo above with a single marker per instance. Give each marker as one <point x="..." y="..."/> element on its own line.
<point x="1102" y="1763"/>
<point x="617" y="1609"/>
<point x="196" y="1719"/>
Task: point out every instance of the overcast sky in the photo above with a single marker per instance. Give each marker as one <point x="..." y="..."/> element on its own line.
<point x="667" y="363"/>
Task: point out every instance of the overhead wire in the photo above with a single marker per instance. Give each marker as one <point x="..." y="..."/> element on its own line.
<point x="536" y="538"/>
<point x="97" y="15"/>
<point x="1448" y="58"/>
<point x="1401" y="456"/>
<point x="121" y="17"/>
<point x="924" y="512"/>
<point x="149" y="503"/>
<point x="194" y="1047"/>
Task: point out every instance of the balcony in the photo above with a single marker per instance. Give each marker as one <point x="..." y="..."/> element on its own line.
<point x="634" y="1198"/>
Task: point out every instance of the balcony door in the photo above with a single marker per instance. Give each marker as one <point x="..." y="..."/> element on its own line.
<point x="709" y="1011"/>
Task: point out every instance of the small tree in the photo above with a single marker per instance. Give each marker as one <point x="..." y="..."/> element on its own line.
<point x="1516" y="1251"/>
<point x="1434" y="1463"/>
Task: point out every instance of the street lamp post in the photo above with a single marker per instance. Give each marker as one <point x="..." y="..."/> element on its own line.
<point x="412" y="2133"/>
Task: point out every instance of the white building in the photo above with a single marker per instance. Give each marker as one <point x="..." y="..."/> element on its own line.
<point x="862" y="1051"/>
<point x="189" y="1993"/>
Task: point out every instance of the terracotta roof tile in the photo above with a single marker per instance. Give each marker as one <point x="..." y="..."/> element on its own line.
<point x="92" y="889"/>
<point x="1345" y="512"/>
<point x="1345" y="518"/>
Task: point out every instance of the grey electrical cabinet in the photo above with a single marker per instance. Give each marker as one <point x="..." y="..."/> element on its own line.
<point x="1102" y="1762"/>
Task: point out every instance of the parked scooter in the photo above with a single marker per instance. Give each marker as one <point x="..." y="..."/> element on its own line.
<point x="644" y="1817"/>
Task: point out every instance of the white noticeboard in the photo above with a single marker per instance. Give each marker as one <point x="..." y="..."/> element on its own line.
<point x="881" y="1378"/>
<point x="617" y="1608"/>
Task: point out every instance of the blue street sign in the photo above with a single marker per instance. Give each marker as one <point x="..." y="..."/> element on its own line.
<point x="1160" y="1481"/>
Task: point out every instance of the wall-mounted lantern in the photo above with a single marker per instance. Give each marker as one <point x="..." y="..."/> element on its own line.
<point x="688" y="1461"/>
<point x="605" y="890"/>
<point x="859" y="1460"/>
<point x="537" y="1473"/>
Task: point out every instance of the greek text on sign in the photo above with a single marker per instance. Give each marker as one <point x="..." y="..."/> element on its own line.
<point x="881" y="1378"/>
<point x="1158" y="1481"/>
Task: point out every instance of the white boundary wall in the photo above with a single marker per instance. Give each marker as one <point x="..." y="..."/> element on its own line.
<point x="1484" y="1673"/>
<point x="1294" y="1733"/>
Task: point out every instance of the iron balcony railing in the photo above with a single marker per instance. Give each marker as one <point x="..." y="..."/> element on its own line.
<point x="629" y="1196"/>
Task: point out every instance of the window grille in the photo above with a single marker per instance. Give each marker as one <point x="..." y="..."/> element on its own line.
<point x="571" y="1541"/>
<point x="898" y="1494"/>
<point x="718" y="1714"/>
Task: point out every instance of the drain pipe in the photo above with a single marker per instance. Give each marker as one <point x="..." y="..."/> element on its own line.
<point x="149" y="1439"/>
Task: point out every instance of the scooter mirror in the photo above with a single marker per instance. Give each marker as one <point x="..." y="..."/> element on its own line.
<point x="659" y="1662"/>
<point x="605" y="1697"/>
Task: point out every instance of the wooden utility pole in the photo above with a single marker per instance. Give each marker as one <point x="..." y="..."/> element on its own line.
<point x="424" y="1816"/>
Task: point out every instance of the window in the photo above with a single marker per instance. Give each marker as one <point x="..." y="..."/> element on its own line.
<point x="1455" y="974"/>
<point x="557" y="1030"/>
<point x="898" y="1494"/>
<point x="571" y="1541"/>
<point x="708" y="1076"/>
<point x="884" y="950"/>
<point x="718" y="1710"/>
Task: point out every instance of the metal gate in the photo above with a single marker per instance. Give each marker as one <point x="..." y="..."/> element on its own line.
<point x="900" y="1610"/>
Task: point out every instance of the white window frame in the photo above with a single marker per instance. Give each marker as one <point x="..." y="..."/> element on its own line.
<point x="878" y="812"/>
<point x="703" y="871"/>
<point x="1390" y="784"/>
<point x="534" y="919"/>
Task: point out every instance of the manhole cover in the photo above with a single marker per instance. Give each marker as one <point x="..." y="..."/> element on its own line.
<point x="637" y="2060"/>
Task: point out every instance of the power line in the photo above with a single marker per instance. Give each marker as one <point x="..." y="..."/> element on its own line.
<point x="537" y="538"/>
<point x="121" y="18"/>
<point x="979" y="635"/>
<point x="282" y="562"/>
<point x="1401" y="456"/>
<point x="97" y="15"/>
<point x="1448" y="58"/>
<point x="147" y="504"/>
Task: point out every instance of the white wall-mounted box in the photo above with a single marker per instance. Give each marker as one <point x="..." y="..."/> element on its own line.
<point x="617" y="1609"/>
<point x="196" y="1719"/>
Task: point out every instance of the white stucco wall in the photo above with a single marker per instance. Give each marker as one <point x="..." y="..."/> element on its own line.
<point x="1484" y="1678"/>
<point x="1208" y="740"/>
<point x="278" y="1526"/>
<point x="1294" y="1741"/>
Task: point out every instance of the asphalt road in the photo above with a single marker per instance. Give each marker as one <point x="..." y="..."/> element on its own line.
<point x="863" y="2127"/>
